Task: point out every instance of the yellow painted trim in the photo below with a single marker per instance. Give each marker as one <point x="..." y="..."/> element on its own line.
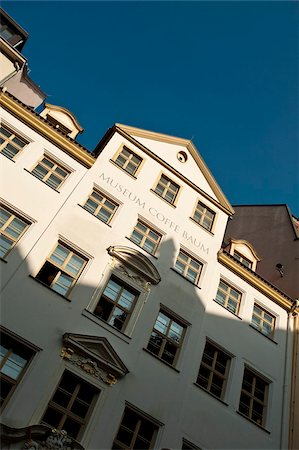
<point x="67" y="112"/>
<point x="254" y="280"/>
<point x="39" y="125"/>
<point x="294" y="414"/>
<point x="194" y="153"/>
<point x="250" y="246"/>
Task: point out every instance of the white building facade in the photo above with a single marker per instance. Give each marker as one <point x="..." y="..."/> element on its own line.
<point x="123" y="321"/>
<point x="125" y="325"/>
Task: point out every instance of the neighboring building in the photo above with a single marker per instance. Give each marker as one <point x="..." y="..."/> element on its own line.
<point x="126" y="321"/>
<point x="13" y="64"/>
<point x="274" y="232"/>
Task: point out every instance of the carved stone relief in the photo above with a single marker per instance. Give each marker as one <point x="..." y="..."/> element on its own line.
<point x="88" y="365"/>
<point x="130" y="274"/>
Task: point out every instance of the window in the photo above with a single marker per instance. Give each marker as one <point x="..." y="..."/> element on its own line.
<point x="62" y="269"/>
<point x="146" y="237"/>
<point x="50" y="172"/>
<point x="135" y="432"/>
<point x="213" y="371"/>
<point x="166" y="338"/>
<point x="71" y="405"/>
<point x="10" y="143"/>
<point x="188" y="266"/>
<point x="167" y="189"/>
<point x="253" y="400"/>
<point x="128" y="161"/>
<point x="229" y="297"/>
<point x="12" y="228"/>
<point x="15" y="357"/>
<point x="101" y="206"/>
<point x="6" y="32"/>
<point x="116" y="303"/>
<point x="246" y="262"/>
<point x="263" y="321"/>
<point x="187" y="445"/>
<point x="204" y="216"/>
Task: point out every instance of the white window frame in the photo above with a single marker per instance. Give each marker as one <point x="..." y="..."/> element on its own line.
<point x="143" y="293"/>
<point x="57" y="164"/>
<point x="20" y="215"/>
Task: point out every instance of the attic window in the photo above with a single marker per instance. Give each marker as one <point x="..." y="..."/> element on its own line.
<point x="242" y="259"/>
<point x="182" y="157"/>
<point x="243" y="252"/>
<point x="58" y="125"/>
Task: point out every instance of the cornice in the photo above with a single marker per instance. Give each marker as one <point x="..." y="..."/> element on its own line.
<point x="255" y="280"/>
<point x="41" y="126"/>
<point x="67" y="112"/>
<point x="220" y="203"/>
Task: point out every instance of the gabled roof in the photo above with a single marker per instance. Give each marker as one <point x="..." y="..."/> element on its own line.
<point x="130" y="133"/>
<point x="271" y="230"/>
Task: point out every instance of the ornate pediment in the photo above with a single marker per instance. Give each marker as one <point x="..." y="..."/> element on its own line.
<point x="132" y="259"/>
<point x="36" y="437"/>
<point x="95" y="355"/>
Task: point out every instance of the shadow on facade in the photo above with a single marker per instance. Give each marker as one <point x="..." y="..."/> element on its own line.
<point x="164" y="387"/>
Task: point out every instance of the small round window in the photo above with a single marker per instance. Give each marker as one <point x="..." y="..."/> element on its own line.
<point x="182" y="157"/>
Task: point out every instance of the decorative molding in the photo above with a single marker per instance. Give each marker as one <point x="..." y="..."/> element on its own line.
<point x="94" y="355"/>
<point x="37" y="437"/>
<point x="129" y="133"/>
<point x="132" y="276"/>
<point x="255" y="280"/>
<point x="250" y="246"/>
<point x="58" y="440"/>
<point x="88" y="365"/>
<point x="133" y="260"/>
<point x="42" y="127"/>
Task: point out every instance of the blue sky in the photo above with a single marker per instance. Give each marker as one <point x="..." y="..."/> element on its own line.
<point x="222" y="73"/>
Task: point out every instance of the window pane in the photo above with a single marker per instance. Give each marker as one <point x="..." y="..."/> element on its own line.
<point x="75" y="264"/>
<point x="15" y="228"/>
<point x="5" y="245"/>
<point x="10" y="151"/>
<point x="53" y="181"/>
<point x="40" y="171"/>
<point x="60" y="254"/>
<point x="63" y="284"/>
<point x="4" y="216"/>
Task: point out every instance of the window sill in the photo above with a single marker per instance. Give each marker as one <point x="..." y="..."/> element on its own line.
<point x="203" y="228"/>
<point x="156" y="257"/>
<point x="48" y="287"/>
<point x="89" y="315"/>
<point x="3" y="260"/>
<point x="7" y="157"/>
<point x="182" y="276"/>
<point x="234" y="314"/>
<point x="162" y="198"/>
<point x="53" y="189"/>
<point x="161" y="360"/>
<point x="108" y="225"/>
<point x="124" y="170"/>
<point x="210" y="393"/>
<point x="262" y="334"/>
<point x="253" y="422"/>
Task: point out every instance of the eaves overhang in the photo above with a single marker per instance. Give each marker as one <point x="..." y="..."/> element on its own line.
<point x="255" y="280"/>
<point x="45" y="129"/>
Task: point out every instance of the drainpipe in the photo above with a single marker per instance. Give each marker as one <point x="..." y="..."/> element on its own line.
<point x="294" y="387"/>
<point x="285" y="402"/>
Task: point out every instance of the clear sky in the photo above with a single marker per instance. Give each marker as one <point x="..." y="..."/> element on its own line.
<point x="225" y="74"/>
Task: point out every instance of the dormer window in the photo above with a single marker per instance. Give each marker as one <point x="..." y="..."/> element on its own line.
<point x="243" y="252"/>
<point x="242" y="259"/>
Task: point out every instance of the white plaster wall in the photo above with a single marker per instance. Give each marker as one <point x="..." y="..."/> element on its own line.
<point x="43" y="316"/>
